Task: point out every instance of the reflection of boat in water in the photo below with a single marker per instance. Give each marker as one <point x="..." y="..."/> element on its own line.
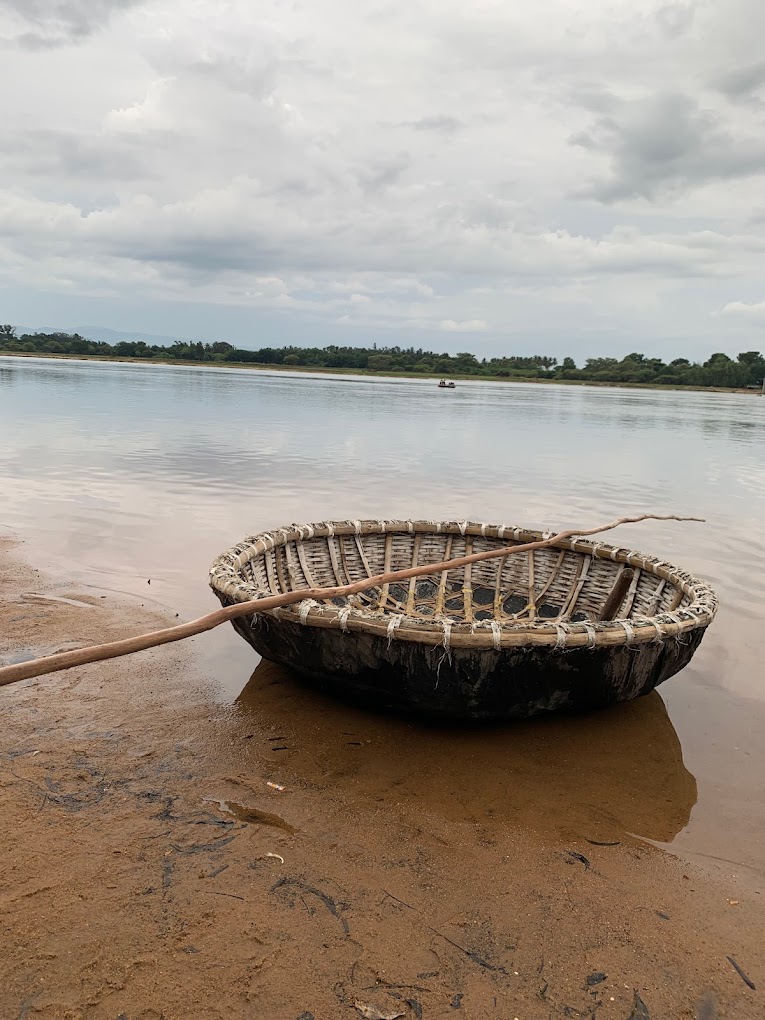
<point x="444" y="385"/>
<point x="597" y="776"/>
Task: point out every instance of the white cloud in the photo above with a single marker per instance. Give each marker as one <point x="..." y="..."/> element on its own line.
<point x="463" y="170"/>
<point x="144" y="115"/>
<point x="754" y="313"/>
<point x="469" y="326"/>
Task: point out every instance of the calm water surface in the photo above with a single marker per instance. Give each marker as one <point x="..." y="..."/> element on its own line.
<point x="115" y="474"/>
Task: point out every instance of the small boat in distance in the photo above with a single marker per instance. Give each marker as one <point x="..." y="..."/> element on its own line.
<point x="444" y="385"/>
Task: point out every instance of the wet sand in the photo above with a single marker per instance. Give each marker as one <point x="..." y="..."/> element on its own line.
<point x="150" y="870"/>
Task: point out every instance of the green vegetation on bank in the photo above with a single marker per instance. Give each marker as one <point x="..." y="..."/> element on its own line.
<point x="719" y="371"/>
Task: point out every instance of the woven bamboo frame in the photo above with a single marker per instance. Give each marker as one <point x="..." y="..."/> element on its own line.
<point x="662" y="601"/>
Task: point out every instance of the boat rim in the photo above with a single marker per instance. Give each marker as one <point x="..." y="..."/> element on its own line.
<point x="228" y="583"/>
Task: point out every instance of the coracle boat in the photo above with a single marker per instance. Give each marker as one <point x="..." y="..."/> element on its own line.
<point x="574" y="626"/>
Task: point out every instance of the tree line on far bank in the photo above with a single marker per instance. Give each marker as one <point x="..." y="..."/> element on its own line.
<point x="747" y="370"/>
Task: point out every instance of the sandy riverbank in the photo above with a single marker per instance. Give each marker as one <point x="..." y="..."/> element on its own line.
<point x="150" y="871"/>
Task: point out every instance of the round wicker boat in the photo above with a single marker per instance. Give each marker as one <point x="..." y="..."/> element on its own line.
<point x="504" y="638"/>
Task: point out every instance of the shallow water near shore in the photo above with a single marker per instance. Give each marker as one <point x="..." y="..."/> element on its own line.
<point x="119" y="475"/>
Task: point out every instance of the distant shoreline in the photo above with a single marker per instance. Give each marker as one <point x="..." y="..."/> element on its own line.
<point x="360" y="372"/>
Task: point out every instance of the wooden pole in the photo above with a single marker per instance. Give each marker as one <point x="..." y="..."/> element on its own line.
<point x="113" y="649"/>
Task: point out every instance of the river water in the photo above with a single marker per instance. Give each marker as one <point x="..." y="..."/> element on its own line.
<point x="115" y="475"/>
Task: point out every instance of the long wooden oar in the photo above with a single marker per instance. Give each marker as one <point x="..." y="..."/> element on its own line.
<point x="114" y="649"/>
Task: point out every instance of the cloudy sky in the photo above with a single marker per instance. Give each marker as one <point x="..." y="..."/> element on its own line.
<point x="565" y="176"/>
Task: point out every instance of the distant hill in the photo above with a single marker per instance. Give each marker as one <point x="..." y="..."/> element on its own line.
<point x="108" y="336"/>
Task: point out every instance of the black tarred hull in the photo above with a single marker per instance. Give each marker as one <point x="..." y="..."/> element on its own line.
<point x="466" y="684"/>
